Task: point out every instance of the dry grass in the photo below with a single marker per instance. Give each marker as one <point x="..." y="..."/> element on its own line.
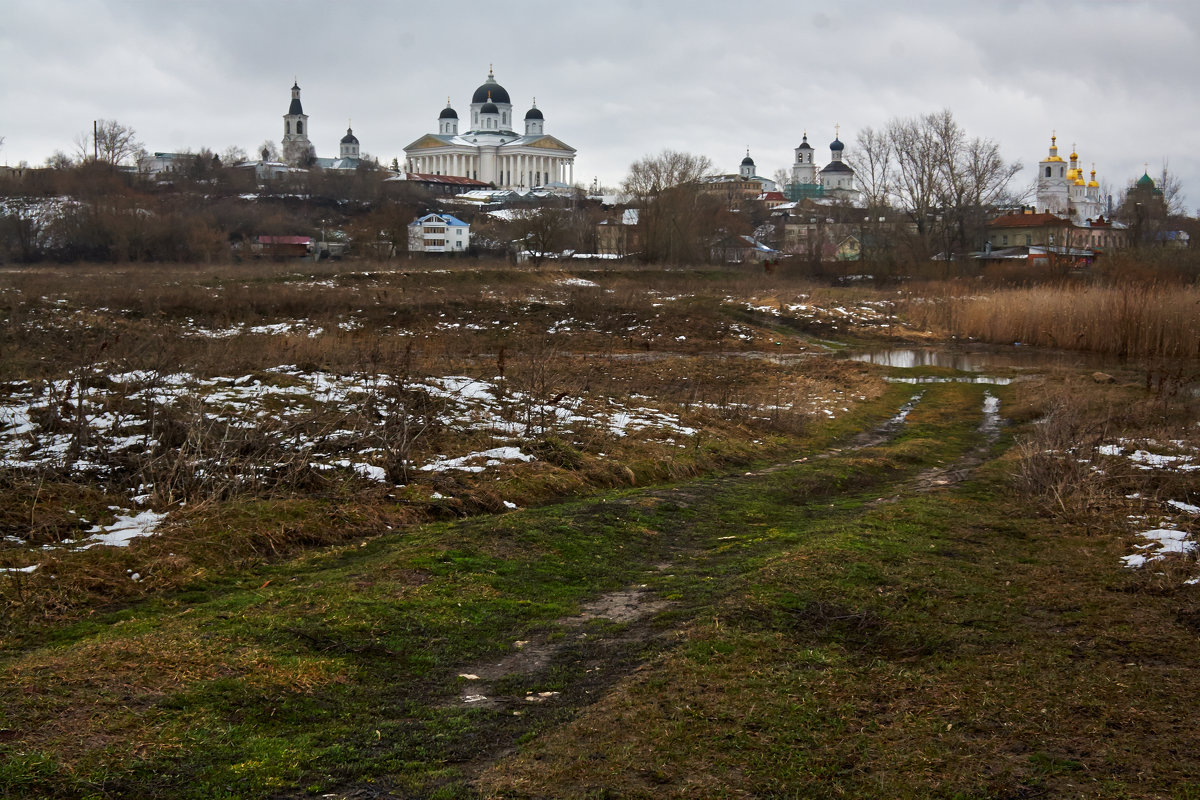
<point x="1155" y="322"/>
<point x="237" y="493"/>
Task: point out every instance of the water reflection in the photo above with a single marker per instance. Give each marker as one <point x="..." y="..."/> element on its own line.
<point x="978" y="360"/>
<point x="907" y="358"/>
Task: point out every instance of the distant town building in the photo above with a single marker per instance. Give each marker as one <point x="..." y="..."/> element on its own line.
<point x="438" y="233"/>
<point x="445" y="185"/>
<point x="1036" y="234"/>
<point x="739" y="186"/>
<point x="159" y="163"/>
<point x="490" y="150"/>
<point x="619" y="234"/>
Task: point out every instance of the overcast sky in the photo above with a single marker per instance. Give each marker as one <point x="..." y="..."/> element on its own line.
<point x="617" y="80"/>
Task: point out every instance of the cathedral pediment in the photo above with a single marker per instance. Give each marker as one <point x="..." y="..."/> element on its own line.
<point x="427" y="142"/>
<point x="549" y="143"/>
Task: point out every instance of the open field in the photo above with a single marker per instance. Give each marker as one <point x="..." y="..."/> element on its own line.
<point x="516" y="533"/>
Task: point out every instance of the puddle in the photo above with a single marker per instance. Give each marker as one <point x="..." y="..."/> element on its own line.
<point x="533" y="656"/>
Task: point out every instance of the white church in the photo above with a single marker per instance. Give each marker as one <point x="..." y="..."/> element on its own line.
<point x="491" y="150"/>
<point x="298" y="151"/>
<point x="1062" y="191"/>
<point x="835" y="182"/>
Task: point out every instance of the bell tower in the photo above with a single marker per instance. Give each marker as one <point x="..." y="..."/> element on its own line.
<point x="297" y="149"/>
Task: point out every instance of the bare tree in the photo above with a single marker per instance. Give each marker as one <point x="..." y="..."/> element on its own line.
<point x="115" y="143"/>
<point x="268" y="151"/>
<point x="917" y="179"/>
<point x="676" y="217"/>
<point x="541" y="232"/>
<point x="58" y="160"/>
<point x="783" y="177"/>
<point x="945" y="181"/>
<point x="1168" y="182"/>
<point x="873" y="167"/>
<point x="233" y="155"/>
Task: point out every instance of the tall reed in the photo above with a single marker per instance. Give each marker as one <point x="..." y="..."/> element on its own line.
<point x="1142" y="321"/>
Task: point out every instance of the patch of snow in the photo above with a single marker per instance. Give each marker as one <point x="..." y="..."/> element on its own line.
<point x="1188" y="507"/>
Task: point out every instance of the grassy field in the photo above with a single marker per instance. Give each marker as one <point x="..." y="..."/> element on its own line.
<point x="909" y="589"/>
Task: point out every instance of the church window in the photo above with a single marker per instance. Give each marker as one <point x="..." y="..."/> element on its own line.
<point x="1004" y="239"/>
<point x="299" y="127"/>
<point x="288" y="128"/>
<point x="1061" y="170"/>
<point x="1047" y="172"/>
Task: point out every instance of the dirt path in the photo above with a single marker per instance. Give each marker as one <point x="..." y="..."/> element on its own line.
<point x="630" y="613"/>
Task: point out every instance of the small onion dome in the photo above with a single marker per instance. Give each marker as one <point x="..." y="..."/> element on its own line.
<point x="837" y="146"/>
<point x="747" y="161"/>
<point x="1145" y="182"/>
<point x="1080" y="181"/>
<point x="349" y="138"/>
<point x="489" y="108"/>
<point x="448" y="113"/>
<point x="534" y="113"/>
<point x="804" y="145"/>
<point x="1092" y="183"/>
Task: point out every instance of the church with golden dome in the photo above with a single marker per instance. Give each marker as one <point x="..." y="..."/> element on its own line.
<point x="1062" y="189"/>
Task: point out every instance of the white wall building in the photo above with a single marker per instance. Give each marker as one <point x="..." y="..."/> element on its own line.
<point x="1061" y="189"/>
<point x="835" y="182"/>
<point x="438" y="233"/>
<point x="491" y="150"/>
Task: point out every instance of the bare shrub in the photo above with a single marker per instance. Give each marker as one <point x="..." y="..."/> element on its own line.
<point x="1055" y="460"/>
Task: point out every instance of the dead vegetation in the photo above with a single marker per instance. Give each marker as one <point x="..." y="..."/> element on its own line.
<point x="267" y="409"/>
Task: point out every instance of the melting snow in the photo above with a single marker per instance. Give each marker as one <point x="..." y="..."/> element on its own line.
<point x="1165" y="541"/>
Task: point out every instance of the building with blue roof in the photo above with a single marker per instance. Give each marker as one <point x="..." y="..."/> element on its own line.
<point x="438" y="233"/>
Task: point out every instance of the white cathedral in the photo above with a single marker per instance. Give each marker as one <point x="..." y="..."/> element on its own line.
<point x="1062" y="191"/>
<point x="490" y="150"/>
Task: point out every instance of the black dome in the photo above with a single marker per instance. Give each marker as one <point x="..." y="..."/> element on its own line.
<point x="498" y="93"/>
<point x="836" y="145"/>
<point x="489" y="108"/>
<point x="533" y="113"/>
<point x="837" y="166"/>
<point x="747" y="161"/>
<point x="448" y="113"/>
<point x="349" y="138"/>
<point x="805" y="145"/>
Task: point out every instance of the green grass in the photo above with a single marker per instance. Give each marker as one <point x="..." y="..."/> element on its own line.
<point x="831" y="630"/>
